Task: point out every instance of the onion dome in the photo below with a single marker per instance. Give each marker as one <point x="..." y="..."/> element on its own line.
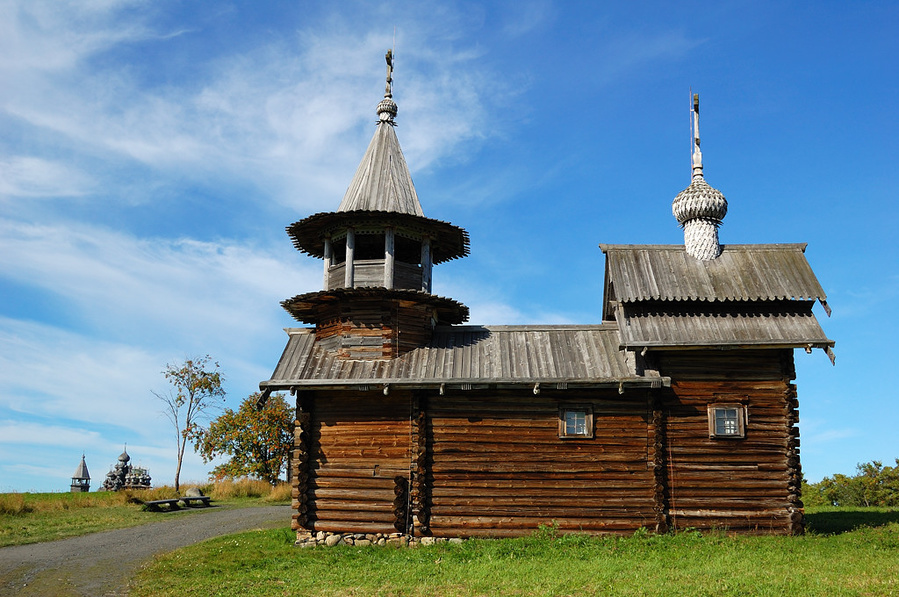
<point x="700" y="208"/>
<point x="387" y="110"/>
<point x="123" y="457"/>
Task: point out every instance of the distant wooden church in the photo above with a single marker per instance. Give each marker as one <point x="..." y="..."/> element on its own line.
<point x="676" y="411"/>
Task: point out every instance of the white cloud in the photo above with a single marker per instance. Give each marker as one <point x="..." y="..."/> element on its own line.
<point x="127" y="286"/>
<point x="33" y="434"/>
<point x="291" y="119"/>
<point x="25" y="176"/>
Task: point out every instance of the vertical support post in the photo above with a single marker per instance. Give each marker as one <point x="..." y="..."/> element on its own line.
<point x="389" y="256"/>
<point x="350" y="257"/>
<point x="328" y="257"/>
<point x="426" y="264"/>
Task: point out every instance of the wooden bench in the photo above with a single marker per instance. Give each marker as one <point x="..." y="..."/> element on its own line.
<point x="156" y="505"/>
<point x="204" y="499"/>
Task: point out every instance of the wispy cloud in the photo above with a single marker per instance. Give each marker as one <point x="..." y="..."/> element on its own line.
<point x="26" y="176"/>
<point x="288" y="117"/>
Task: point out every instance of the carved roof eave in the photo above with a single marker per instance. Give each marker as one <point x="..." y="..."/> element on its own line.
<point x="447" y="240"/>
<point x="303" y="307"/>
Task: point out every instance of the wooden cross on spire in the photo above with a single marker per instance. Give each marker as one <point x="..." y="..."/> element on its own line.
<point x="388" y="91"/>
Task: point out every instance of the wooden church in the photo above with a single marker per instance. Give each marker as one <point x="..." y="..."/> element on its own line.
<point x="677" y="410"/>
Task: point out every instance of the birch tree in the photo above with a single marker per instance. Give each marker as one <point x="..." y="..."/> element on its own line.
<point x="196" y="388"/>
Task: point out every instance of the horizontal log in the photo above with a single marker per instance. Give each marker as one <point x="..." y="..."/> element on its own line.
<point x="366" y="495"/>
<point x="547" y="481"/>
<point x="466" y="532"/>
<point x="361" y="483"/>
<point x="734" y="505"/>
<point x="463" y="470"/>
<point x="365" y="516"/>
<point x="349" y="505"/>
<point x="511" y="458"/>
<point x="500" y="492"/>
<point x="771" y="513"/>
<point x="351" y="526"/>
<point x="363" y="471"/>
<point x="529" y="522"/>
<point x="636" y="516"/>
<point x="333" y="453"/>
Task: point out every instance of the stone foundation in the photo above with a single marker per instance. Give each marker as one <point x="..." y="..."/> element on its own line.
<point x="310" y="539"/>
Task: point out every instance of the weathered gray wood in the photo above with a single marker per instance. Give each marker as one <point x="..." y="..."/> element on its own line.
<point x="389" y="257"/>
<point x="327" y="263"/>
<point x="349" y="272"/>
<point x="426" y="264"/>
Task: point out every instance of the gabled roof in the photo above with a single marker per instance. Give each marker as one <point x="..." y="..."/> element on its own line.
<point x="740" y="273"/>
<point x="468" y="356"/>
<point x="382" y="181"/>
<point x="750" y="296"/>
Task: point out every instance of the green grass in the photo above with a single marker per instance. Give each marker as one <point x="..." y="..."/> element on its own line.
<point x="845" y="553"/>
<point x="36" y="517"/>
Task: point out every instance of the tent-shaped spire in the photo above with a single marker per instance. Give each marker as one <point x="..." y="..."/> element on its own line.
<point x="382" y="181"/>
<point x="81" y="472"/>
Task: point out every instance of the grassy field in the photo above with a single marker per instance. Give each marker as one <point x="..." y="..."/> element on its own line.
<point x="846" y="552"/>
<point x="35" y="517"/>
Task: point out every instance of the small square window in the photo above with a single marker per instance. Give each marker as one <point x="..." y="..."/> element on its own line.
<point x="576" y="422"/>
<point x="727" y="420"/>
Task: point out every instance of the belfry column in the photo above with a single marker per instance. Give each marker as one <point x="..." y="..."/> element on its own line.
<point x="350" y="257"/>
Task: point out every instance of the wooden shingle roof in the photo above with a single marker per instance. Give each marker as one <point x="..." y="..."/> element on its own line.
<point x="759" y="325"/>
<point x="381" y="194"/>
<point x="750" y="296"/>
<point x="740" y="273"/>
<point x="382" y="181"/>
<point x="469" y="356"/>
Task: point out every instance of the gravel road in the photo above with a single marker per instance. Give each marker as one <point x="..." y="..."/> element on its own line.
<point x="102" y="563"/>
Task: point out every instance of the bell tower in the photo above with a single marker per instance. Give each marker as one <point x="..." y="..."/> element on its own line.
<point x="378" y="250"/>
<point x="81" y="479"/>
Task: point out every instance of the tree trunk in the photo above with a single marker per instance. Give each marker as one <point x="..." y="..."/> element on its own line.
<point x="181" y="446"/>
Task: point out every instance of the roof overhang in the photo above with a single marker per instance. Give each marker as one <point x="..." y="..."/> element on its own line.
<point x="448" y="241"/>
<point x="441" y="385"/>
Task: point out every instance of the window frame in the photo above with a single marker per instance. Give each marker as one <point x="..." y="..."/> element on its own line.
<point x="588" y="421"/>
<point x="741" y="421"/>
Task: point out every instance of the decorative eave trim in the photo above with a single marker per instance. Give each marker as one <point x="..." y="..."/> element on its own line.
<point x="465" y="384"/>
<point x="448" y="241"/>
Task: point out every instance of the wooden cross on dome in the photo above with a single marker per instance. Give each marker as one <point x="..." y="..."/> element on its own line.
<point x="388" y="91"/>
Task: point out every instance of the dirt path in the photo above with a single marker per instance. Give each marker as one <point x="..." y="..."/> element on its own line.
<point x="102" y="563"/>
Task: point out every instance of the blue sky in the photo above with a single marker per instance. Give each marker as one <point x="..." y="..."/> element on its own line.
<point x="151" y="154"/>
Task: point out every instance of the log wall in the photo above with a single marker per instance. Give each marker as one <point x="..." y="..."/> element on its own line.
<point x="499" y="468"/>
<point x="491" y="463"/>
<point x="360" y="461"/>
<point x="749" y="485"/>
<point x="373" y="328"/>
